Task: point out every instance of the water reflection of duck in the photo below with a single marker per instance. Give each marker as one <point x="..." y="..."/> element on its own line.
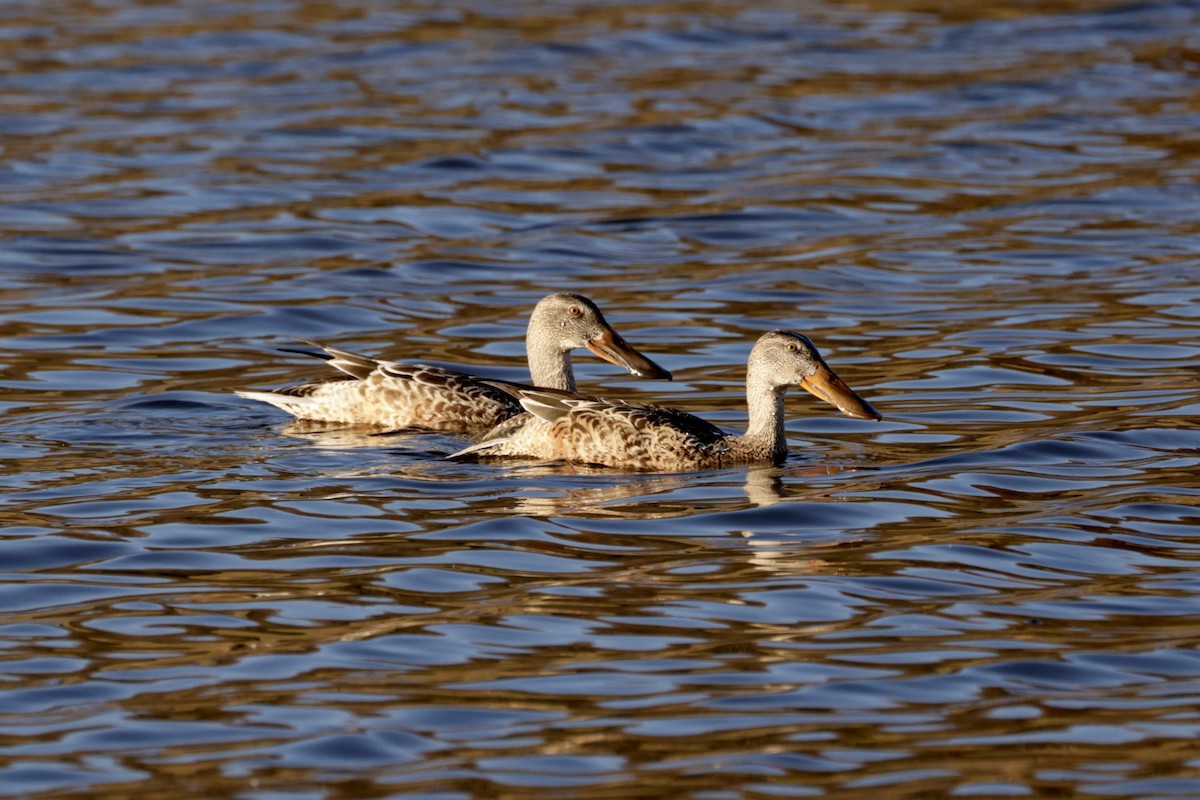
<point x="394" y="396"/>
<point x="655" y="438"/>
<point x="647" y="497"/>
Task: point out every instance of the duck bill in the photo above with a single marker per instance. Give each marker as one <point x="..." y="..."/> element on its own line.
<point x="833" y="390"/>
<point x="612" y="348"/>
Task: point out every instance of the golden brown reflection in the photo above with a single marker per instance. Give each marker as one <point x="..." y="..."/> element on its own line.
<point x="983" y="214"/>
<point x="632" y="596"/>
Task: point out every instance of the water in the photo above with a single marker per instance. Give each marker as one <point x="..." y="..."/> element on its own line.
<point x="984" y="216"/>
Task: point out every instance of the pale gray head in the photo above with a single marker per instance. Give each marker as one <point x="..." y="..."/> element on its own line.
<point x="787" y="358"/>
<point x="568" y="321"/>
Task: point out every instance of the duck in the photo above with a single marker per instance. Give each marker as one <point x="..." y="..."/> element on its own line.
<point x="393" y="396"/>
<point x="587" y="430"/>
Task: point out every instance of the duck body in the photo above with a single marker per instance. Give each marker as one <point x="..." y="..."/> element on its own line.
<point x="615" y="434"/>
<point x="394" y="396"/>
<point x="657" y="438"/>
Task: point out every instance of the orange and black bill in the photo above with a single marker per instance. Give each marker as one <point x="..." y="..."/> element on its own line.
<point x="833" y="390"/>
<point x="612" y="348"/>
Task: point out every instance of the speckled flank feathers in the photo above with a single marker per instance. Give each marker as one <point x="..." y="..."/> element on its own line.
<point x="397" y="397"/>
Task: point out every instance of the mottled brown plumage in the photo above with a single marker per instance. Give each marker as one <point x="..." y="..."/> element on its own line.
<point x="645" y="437"/>
<point x="394" y="396"/>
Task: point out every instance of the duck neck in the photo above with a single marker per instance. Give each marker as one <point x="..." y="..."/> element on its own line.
<point x="549" y="365"/>
<point x="764" y="435"/>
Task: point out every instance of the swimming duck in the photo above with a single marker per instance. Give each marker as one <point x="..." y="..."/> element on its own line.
<point x="395" y="396"/>
<point x="656" y="438"/>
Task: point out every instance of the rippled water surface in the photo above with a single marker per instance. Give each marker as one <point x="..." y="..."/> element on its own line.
<point x="984" y="214"/>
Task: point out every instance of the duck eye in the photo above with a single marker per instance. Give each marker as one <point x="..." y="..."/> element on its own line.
<point x="575" y="311"/>
<point x="793" y="348"/>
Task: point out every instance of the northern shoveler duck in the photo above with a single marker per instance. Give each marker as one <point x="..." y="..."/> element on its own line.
<point x="395" y="396"/>
<point x="645" y="437"/>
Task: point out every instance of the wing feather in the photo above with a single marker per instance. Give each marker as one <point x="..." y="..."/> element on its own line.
<point x="394" y="396"/>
